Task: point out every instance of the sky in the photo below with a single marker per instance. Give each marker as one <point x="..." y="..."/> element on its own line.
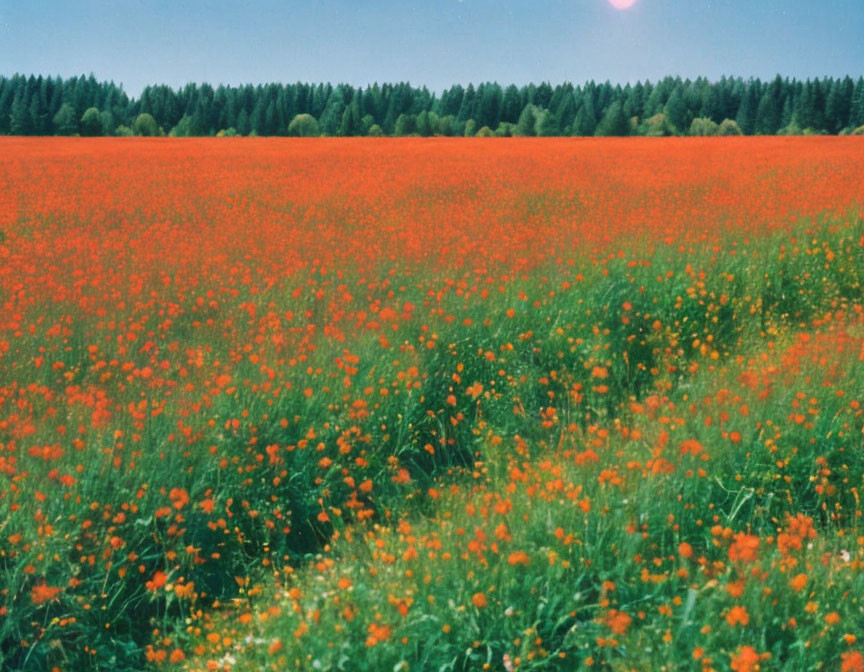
<point x="435" y="43"/>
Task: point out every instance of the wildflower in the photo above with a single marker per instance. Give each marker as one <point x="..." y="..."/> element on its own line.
<point x="159" y="579"/>
<point x="618" y="621"/>
<point x="747" y="659"/>
<point x="797" y="584"/>
<point x="42" y="593"/>
<point x="852" y="661"/>
<point x="737" y="616"/>
<point x="744" y="548"/>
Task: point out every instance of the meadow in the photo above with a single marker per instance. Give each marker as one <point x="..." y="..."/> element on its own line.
<point x="431" y="404"/>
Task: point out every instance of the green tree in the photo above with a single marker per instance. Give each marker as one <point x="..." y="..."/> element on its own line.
<point x="856" y="111"/>
<point x="676" y="111"/>
<point x="838" y="105"/>
<point x="244" y="124"/>
<point x="511" y="105"/>
<point x="91" y="123"/>
<point x="184" y="128"/>
<point x="406" y="124"/>
<point x="331" y="117"/>
<point x="585" y="123"/>
<point x="65" y="121"/>
<point x="614" y="122"/>
<point x="366" y="124"/>
<point x="704" y="126"/>
<point x="527" y="124"/>
<point x="447" y="126"/>
<point x="490" y="99"/>
<point x="106" y="117"/>
<point x="351" y="123"/>
<point x="304" y="125"/>
<point x="20" y="121"/>
<point x="657" y="126"/>
<point x="146" y="125"/>
<point x="746" y="115"/>
<point x="548" y="125"/>
<point x="424" y="125"/>
<point x="768" y="115"/>
<point x="729" y="127"/>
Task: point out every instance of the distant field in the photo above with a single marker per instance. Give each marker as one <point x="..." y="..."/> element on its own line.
<point x="431" y="404"/>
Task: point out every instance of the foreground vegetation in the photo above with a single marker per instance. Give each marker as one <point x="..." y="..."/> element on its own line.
<point x="665" y="473"/>
<point x="431" y="420"/>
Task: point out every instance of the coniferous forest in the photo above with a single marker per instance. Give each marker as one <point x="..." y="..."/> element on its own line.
<point x="31" y="105"/>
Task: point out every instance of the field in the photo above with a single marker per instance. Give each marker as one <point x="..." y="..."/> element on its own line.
<point x="431" y="404"/>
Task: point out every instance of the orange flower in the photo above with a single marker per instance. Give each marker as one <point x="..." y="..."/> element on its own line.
<point x="179" y="497"/>
<point x="207" y="505"/>
<point x="744" y="548"/>
<point x="797" y="584"/>
<point x="600" y="372"/>
<point x="519" y="558"/>
<point x="737" y="616"/>
<point x="618" y="621"/>
<point x="690" y="447"/>
<point x="852" y="661"/>
<point x="159" y="579"/>
<point x="685" y="550"/>
<point x="42" y="593"/>
<point x="479" y="600"/>
<point x="377" y="634"/>
<point x="748" y="659"/>
<point x="475" y="390"/>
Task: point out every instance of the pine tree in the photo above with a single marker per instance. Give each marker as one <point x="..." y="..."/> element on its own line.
<point x="351" y="124"/>
<point x="838" y="105"/>
<point x="585" y="123"/>
<point x="746" y="116"/>
<point x="20" y="121"/>
<point x="511" y="105"/>
<point x="614" y="122"/>
<point x="767" y="115"/>
<point x="856" y="111"/>
<point x="676" y="110"/>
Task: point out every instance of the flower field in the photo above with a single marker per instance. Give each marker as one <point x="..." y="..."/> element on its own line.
<point x="432" y="404"/>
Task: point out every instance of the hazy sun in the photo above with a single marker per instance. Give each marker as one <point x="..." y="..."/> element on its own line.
<point x="622" y="4"/>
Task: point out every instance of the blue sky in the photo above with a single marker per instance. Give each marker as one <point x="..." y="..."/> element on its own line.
<point x="436" y="43"/>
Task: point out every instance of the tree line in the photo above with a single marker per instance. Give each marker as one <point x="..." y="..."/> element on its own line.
<point x="31" y="105"/>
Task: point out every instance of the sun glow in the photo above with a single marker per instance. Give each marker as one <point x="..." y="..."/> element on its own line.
<point x="622" y="4"/>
